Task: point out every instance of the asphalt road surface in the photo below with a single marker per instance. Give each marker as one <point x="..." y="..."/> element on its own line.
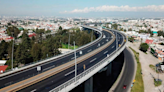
<point x="128" y="73"/>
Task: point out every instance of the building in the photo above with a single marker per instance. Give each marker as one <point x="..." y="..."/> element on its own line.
<point x="149" y="41"/>
<point x="2" y="66"/>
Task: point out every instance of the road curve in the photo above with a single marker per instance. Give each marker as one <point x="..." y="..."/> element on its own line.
<point x="128" y="73"/>
<point x="103" y="41"/>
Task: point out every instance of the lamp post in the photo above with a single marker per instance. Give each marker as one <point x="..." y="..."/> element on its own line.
<point x="12" y="52"/>
<point x="92" y="36"/>
<point x="116" y="41"/>
<point x="75" y="62"/>
<point x="69" y="40"/>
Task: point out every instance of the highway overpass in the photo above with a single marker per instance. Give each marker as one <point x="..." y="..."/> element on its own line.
<point x="58" y="73"/>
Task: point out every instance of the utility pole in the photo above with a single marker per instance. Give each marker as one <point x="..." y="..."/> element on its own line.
<point x="116" y="41"/>
<point x="69" y="40"/>
<point x="12" y="52"/>
<point x="75" y="62"/>
<point x="92" y="36"/>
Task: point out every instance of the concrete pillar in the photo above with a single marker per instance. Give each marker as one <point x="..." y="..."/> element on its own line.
<point x="88" y="85"/>
<point x="109" y="70"/>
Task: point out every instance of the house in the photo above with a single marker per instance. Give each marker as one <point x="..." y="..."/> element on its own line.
<point x="7" y="39"/>
<point x="149" y="41"/>
<point x="2" y="66"/>
<point x="31" y="35"/>
<point x="160" y="54"/>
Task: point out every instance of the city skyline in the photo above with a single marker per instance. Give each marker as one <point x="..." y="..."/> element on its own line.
<point x="74" y="8"/>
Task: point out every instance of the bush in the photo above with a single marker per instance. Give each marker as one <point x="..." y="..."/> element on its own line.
<point x="131" y="39"/>
<point x="157" y="83"/>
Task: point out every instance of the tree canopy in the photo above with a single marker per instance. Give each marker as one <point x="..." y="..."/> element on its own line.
<point x="144" y="47"/>
<point x="114" y="26"/>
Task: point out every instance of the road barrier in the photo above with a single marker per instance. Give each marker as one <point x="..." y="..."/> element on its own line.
<point x="69" y="85"/>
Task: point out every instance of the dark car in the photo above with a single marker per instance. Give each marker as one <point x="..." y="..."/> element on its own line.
<point x="124" y="87"/>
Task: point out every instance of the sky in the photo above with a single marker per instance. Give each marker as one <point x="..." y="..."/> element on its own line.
<point x="83" y="8"/>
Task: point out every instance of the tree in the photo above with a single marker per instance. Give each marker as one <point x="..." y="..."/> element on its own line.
<point x="36" y="52"/>
<point x="150" y="32"/>
<point x="26" y="47"/>
<point x="60" y="28"/>
<point x="9" y="24"/>
<point x="131" y="39"/>
<point x="129" y="29"/>
<point x="3" y="49"/>
<point x="160" y="33"/>
<point x="144" y="47"/>
<point x="13" y="31"/>
<point x="18" y="55"/>
<point x="40" y="33"/>
<point x="142" y="31"/>
<point x="26" y="41"/>
<point x="114" y="26"/>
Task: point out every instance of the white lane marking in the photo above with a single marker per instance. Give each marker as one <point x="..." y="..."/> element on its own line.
<point x="89" y="50"/>
<point x="72" y="57"/>
<point x="69" y="72"/>
<point x="98" y="45"/>
<point x="33" y="90"/>
<point x="105" y="52"/>
<point x="33" y="67"/>
<point x="93" y="60"/>
<point x="112" y="46"/>
<point x="9" y="83"/>
<point x="48" y="68"/>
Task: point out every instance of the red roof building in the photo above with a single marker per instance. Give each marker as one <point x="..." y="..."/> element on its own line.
<point x="149" y="41"/>
<point x="9" y="38"/>
<point x="3" y="68"/>
<point x="31" y="35"/>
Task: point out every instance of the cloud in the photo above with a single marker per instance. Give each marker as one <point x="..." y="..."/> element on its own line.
<point x="107" y="8"/>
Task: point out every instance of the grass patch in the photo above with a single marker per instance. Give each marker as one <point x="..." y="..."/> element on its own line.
<point x="153" y="68"/>
<point x="138" y="85"/>
<point x="157" y="83"/>
<point x="65" y="46"/>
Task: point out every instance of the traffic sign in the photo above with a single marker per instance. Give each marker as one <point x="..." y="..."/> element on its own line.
<point x="38" y="68"/>
<point x="84" y="66"/>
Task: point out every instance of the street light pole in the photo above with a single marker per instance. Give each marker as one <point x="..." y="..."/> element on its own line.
<point x="12" y="53"/>
<point x="116" y="41"/>
<point x="75" y="62"/>
<point x="69" y="40"/>
<point x="92" y="36"/>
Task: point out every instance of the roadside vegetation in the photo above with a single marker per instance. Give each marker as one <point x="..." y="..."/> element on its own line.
<point x="131" y="39"/>
<point x="143" y="47"/>
<point x="30" y="50"/>
<point x="153" y="68"/>
<point x="157" y="83"/>
<point x="65" y="46"/>
<point x="138" y="85"/>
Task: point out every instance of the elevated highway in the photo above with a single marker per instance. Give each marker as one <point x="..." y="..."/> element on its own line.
<point x="58" y="72"/>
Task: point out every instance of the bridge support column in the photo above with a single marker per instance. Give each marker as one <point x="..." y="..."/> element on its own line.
<point x="109" y="69"/>
<point x="88" y="85"/>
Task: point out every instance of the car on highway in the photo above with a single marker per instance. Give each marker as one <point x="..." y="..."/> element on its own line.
<point x="124" y="87"/>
